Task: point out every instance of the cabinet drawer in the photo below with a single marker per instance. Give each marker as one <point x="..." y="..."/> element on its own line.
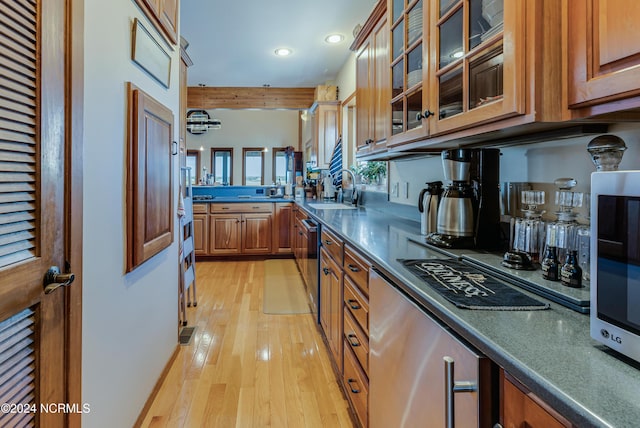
<point x="200" y="208"/>
<point x="357" y="304"/>
<point x="265" y="207"/>
<point x="356" y="340"/>
<point x="357" y="269"/>
<point x="333" y="245"/>
<point x="356" y="386"/>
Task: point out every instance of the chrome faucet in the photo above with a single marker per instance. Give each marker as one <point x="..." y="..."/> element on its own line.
<point x="354" y="195"/>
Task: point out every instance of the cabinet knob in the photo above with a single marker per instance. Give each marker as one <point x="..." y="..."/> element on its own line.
<point x="353" y="340"/>
<point x="424" y="115"/>
<point x="353" y="304"/>
<point x="326" y="271"/>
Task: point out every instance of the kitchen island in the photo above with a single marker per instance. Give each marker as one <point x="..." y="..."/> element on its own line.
<point x="548" y="351"/>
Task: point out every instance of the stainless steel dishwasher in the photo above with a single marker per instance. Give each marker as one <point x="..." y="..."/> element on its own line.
<point x="311" y="271"/>
<point x="421" y="375"/>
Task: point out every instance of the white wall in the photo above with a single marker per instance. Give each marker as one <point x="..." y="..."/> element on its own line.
<point x="247" y="128"/>
<point x="346" y="79"/>
<point x="539" y="163"/>
<point x="129" y="320"/>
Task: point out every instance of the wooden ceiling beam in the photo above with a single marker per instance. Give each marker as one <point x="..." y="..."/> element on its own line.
<point x="247" y="97"/>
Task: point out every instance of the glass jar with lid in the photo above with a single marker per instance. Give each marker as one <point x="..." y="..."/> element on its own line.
<point x="562" y="232"/>
<point x="528" y="231"/>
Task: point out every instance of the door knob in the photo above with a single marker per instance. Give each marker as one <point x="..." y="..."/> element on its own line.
<point x="53" y="279"/>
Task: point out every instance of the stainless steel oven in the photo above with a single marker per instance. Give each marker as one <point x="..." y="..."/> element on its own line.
<point x="615" y="260"/>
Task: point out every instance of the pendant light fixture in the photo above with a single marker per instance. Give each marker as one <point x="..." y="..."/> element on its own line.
<point x="199" y="121"/>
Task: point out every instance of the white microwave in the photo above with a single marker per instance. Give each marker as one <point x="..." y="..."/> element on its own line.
<point x="615" y="260"/>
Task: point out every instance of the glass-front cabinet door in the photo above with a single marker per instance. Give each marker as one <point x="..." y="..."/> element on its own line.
<point x="409" y="70"/>
<point x="477" y="62"/>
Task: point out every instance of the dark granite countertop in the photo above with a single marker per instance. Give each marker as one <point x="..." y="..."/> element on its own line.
<point x="549" y="351"/>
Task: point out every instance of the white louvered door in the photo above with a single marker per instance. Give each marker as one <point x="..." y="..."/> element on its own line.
<point x="32" y="210"/>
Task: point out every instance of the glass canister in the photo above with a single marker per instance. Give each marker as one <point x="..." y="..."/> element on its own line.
<point x="528" y="232"/>
<point x="562" y="233"/>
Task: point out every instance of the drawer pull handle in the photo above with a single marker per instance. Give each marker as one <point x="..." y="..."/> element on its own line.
<point x="326" y="271"/>
<point x="353" y="340"/>
<point x="327" y="242"/>
<point x="353" y="268"/>
<point x="256" y="208"/>
<point x="225" y="208"/>
<point x="353" y="304"/>
<point x="450" y="388"/>
<point x="351" y="382"/>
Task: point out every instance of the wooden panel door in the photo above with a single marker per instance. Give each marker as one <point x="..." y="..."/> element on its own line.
<point x="382" y="88"/>
<point x="256" y="233"/>
<point x="521" y="410"/>
<point x="325" y="294"/>
<point x="224" y="234"/>
<point x="34" y="352"/>
<point x="603" y="50"/>
<point x="282" y="229"/>
<point x="364" y="107"/>
<point x="169" y="18"/>
<point x="200" y="234"/>
<point x="150" y="181"/>
<point x="326" y="120"/>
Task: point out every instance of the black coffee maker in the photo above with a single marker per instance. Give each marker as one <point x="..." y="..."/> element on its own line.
<point x="469" y="212"/>
<point x="485" y="176"/>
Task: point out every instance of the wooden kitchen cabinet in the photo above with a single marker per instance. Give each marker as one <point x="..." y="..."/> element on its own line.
<point x="372" y="85"/>
<point x="225" y="234"/>
<point x="603" y="55"/>
<point x="200" y="234"/>
<point x="282" y="229"/>
<point x="240" y="228"/>
<point x="522" y="409"/>
<point x="256" y="233"/>
<point x="356" y="332"/>
<point x="325" y="131"/>
<point x="478" y="69"/>
<point x="409" y="71"/>
<point x="331" y="305"/>
<point x="463" y="68"/>
<point x="164" y="16"/>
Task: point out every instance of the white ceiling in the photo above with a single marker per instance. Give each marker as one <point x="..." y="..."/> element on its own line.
<point x="232" y="42"/>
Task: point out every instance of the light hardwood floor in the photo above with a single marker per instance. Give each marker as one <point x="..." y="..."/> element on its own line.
<point x="244" y="368"/>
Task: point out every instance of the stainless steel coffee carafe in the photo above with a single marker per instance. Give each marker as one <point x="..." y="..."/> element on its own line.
<point x="428" y="202"/>
<point x="455" y="216"/>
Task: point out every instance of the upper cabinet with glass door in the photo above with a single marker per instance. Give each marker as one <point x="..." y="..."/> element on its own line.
<point x="477" y="62"/>
<point x="409" y="70"/>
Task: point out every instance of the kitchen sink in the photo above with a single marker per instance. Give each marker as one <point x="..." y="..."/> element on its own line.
<point x="331" y="206"/>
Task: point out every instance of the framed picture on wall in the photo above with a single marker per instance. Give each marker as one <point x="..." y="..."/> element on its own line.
<point x="149" y="54"/>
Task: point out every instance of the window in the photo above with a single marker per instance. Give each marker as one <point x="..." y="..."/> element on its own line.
<point x="252" y="167"/>
<point x="193" y="162"/>
<point x="279" y="165"/>
<point x="222" y="165"/>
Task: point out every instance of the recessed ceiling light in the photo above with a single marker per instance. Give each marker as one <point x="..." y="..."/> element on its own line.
<point x="283" y="51"/>
<point x="334" y="38"/>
